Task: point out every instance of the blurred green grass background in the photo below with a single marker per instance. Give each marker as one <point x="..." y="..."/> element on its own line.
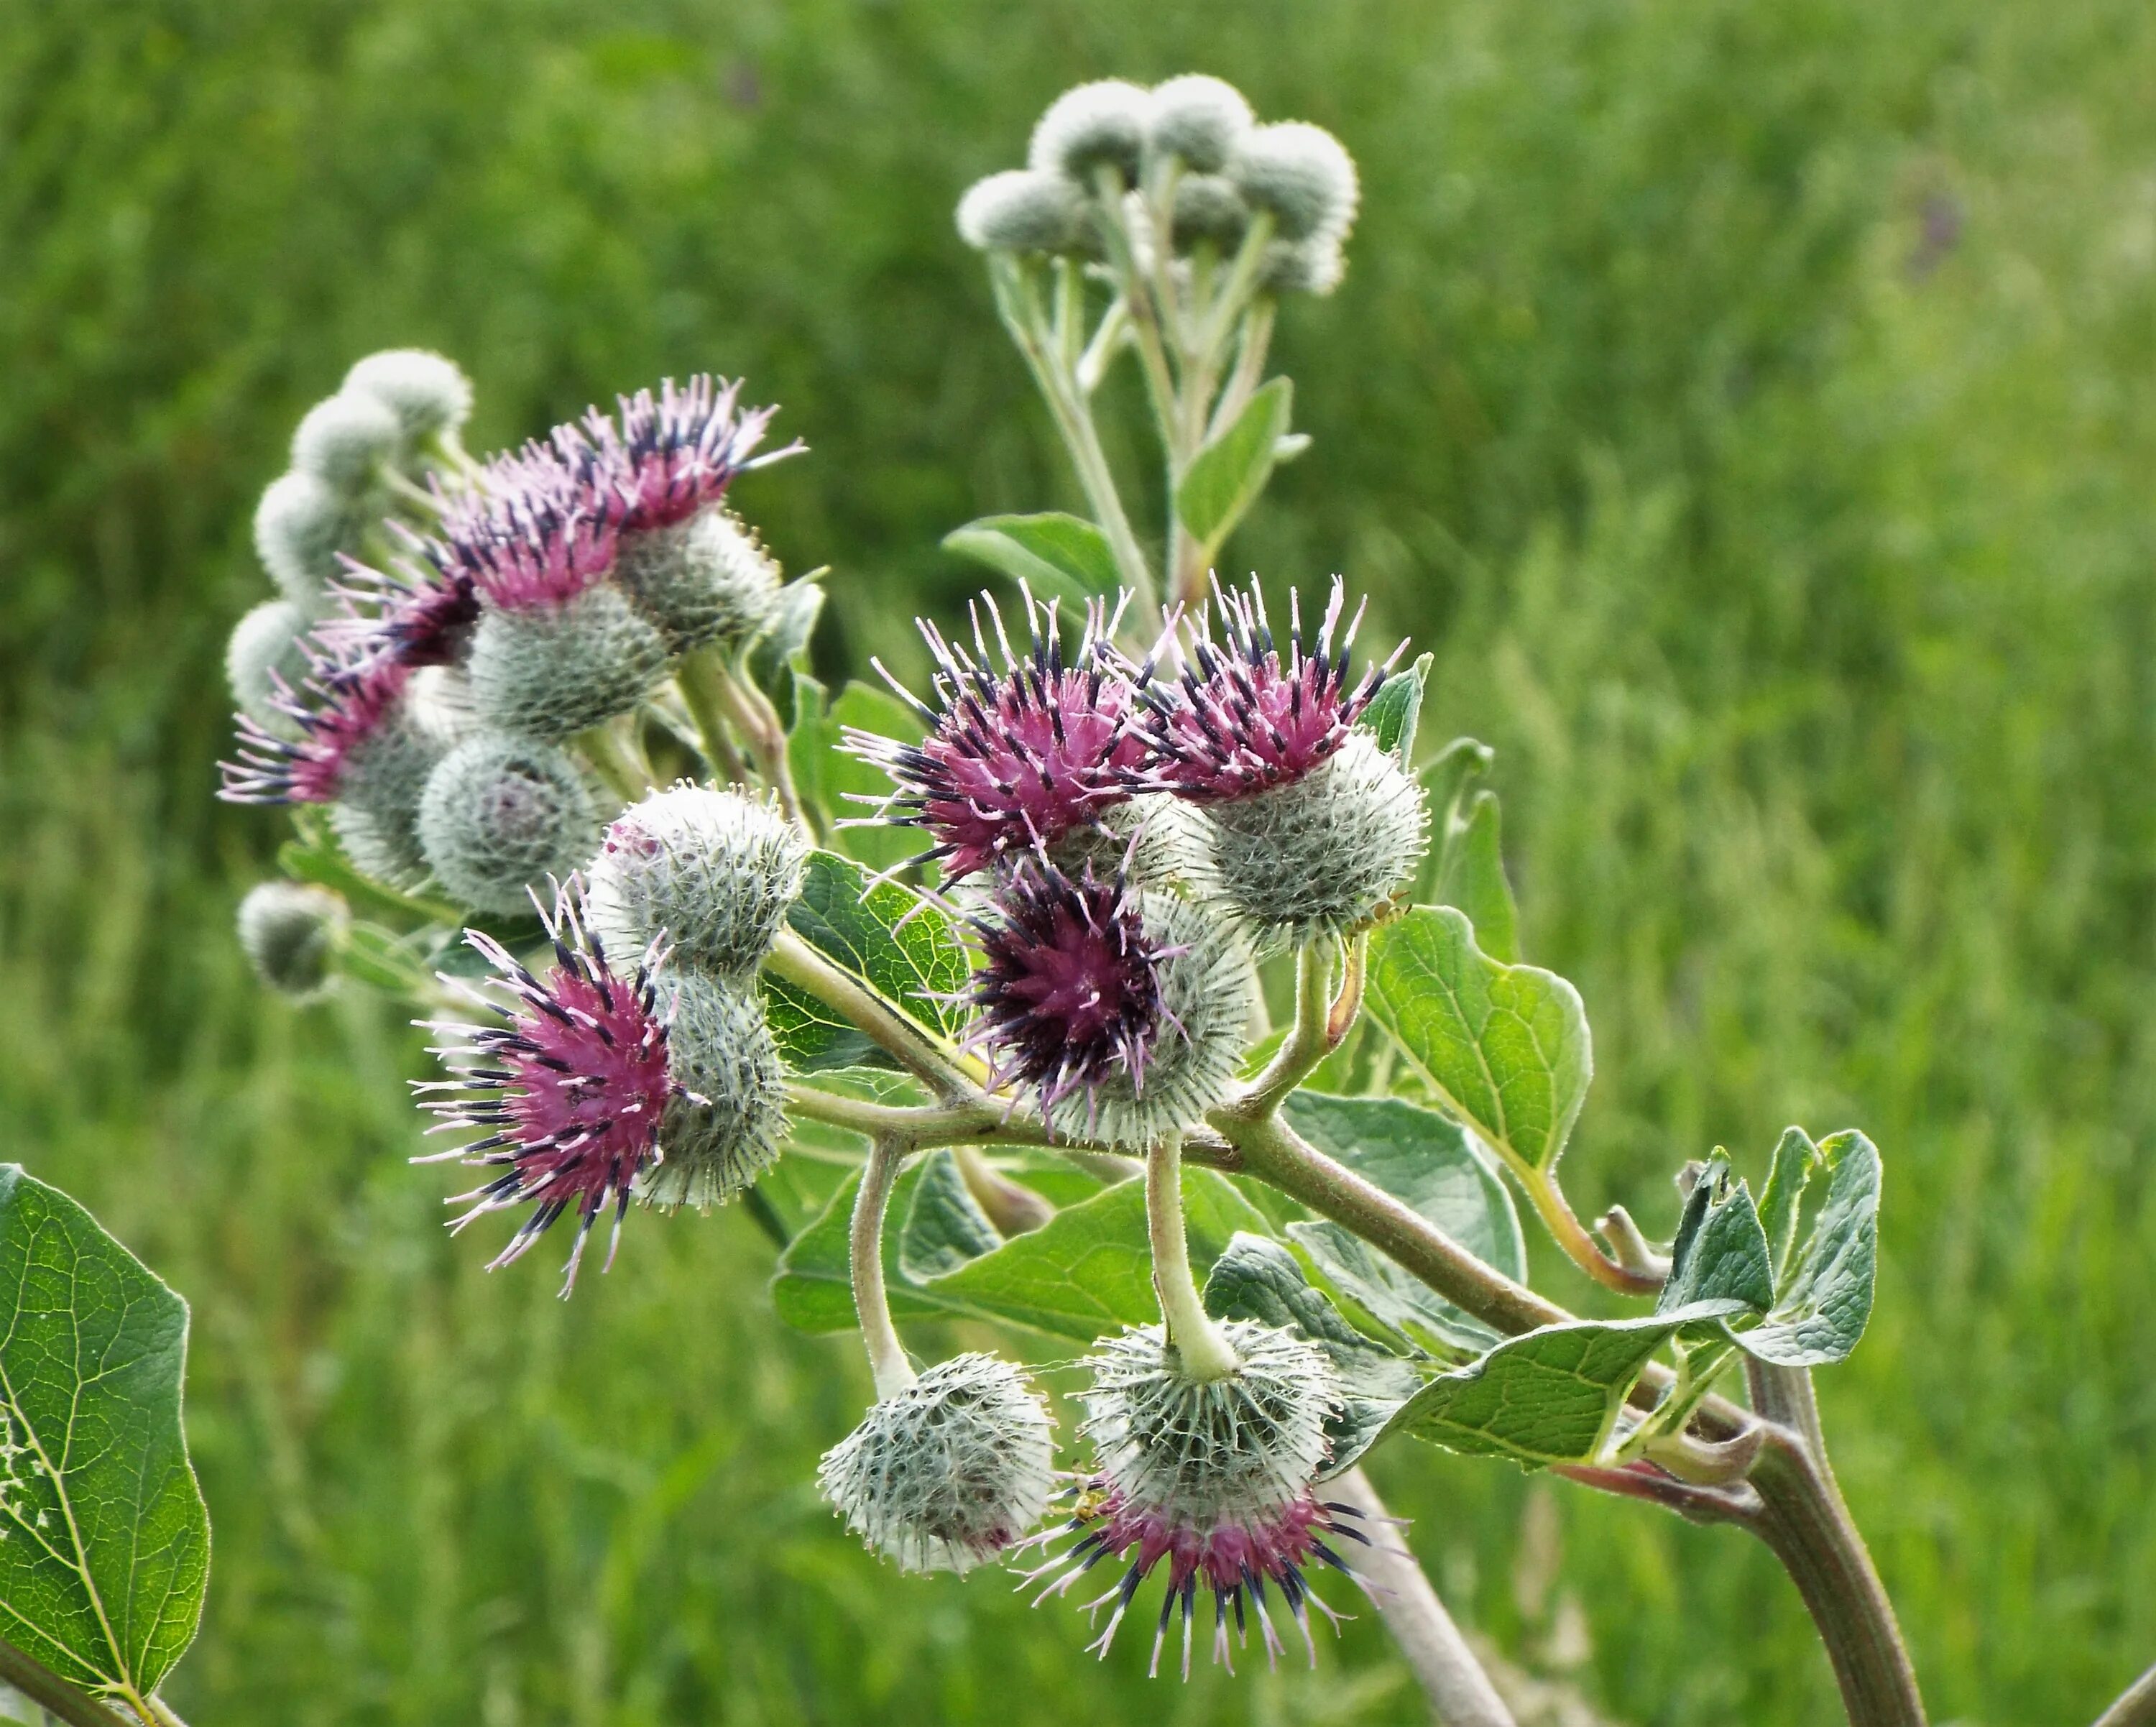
<point x="1750" y="406"/>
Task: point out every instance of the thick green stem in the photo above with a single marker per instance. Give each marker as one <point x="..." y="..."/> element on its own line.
<point x="611" y="748"/>
<point x="51" y="1693"/>
<point x="1321" y="1024"/>
<point x="712" y="737"/>
<point x="1570" y="1234"/>
<point x="1206" y="1350"/>
<point x="887" y="1360"/>
<point x="711" y="689"/>
<point x="952" y="1075"/>
<point x="1014" y="1208"/>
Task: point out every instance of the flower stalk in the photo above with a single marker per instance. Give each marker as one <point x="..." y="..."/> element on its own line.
<point x="887" y="1357"/>
<point x="1206" y="1352"/>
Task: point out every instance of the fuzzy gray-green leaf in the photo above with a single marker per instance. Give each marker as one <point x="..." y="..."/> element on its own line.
<point x="1720" y="1251"/>
<point x="1826" y="1300"/>
<point x="1225" y="477"/>
<point x="1795" y="1158"/>
<point x="104" y="1539"/>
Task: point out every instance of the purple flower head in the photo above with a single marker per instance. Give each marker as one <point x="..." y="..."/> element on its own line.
<point x="344" y="704"/>
<point x="1241" y="719"/>
<point x="669" y="455"/>
<point x="567" y="1094"/>
<point x="1236" y="1558"/>
<point x="1068" y="989"/>
<point x="536" y="532"/>
<point x="421" y="611"/>
<point x="1014" y="759"/>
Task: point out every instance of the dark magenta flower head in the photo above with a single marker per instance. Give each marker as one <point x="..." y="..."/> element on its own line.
<point x="536" y="532"/>
<point x="669" y="455"/>
<point x="1243" y="717"/>
<point x="567" y="1090"/>
<point x="347" y="705"/>
<point x="1014" y="759"/>
<point x="420" y="611"/>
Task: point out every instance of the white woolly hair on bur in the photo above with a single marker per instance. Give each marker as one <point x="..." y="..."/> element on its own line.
<point x="1022" y="210"/>
<point x="553" y="671"/>
<point x="1197" y="119"/>
<point x="711" y="872"/>
<point x="1321" y="854"/>
<point x="427" y="393"/>
<point x="300" y="526"/>
<point x="346" y="442"/>
<point x="501" y="815"/>
<point x="703" y="582"/>
<point x="289" y="931"/>
<point x="1302" y="174"/>
<point x="726" y="1125"/>
<point x="1199" y="1452"/>
<point x="949" y="1472"/>
<point x="1096" y="125"/>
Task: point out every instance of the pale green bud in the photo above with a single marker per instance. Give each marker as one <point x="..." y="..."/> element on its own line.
<point x="383" y="847"/>
<point x="553" y="671"/>
<point x="426" y="392"/>
<point x="502" y="815"/>
<point x="726" y="1125"/>
<point x="289" y="933"/>
<point x="1208" y="209"/>
<point x="711" y="873"/>
<point x="1302" y="174"/>
<point x="1199" y="120"/>
<point x="266" y="644"/>
<point x="1313" y="266"/>
<point x="706" y="581"/>
<point x="1094" y="125"/>
<point x="1022" y="210"/>
<point x="346" y="442"/>
<point x="300" y="526"/>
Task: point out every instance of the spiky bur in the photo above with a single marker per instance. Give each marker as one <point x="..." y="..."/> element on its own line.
<point x="1243" y="718"/>
<point x="267" y="649"/>
<point x="348" y="442"/>
<point x="951" y="1471"/>
<point x="667" y="456"/>
<point x="725" y="1122"/>
<point x="1319" y="855"/>
<point x="704" y="581"/>
<point x="351" y="734"/>
<point x="713" y="873"/>
<point x="421" y="611"/>
<point x="1212" y="1478"/>
<point x="300" y="525"/>
<point x="427" y="394"/>
<point x="1015" y="758"/>
<point x="1093" y="127"/>
<point x="1156" y="841"/>
<point x="1122" y="1010"/>
<point x="501" y="814"/>
<point x="567" y="1089"/>
<point x="289" y="933"/>
<point x="551" y="670"/>
<point x="1209" y="211"/>
<point x="1197" y="120"/>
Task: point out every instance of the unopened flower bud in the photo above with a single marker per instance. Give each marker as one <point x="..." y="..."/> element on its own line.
<point x="501" y="815"/>
<point x="1311" y="266"/>
<point x="704" y="581"/>
<point x="383" y="848"/>
<point x="300" y="526"/>
<point x="1208" y="210"/>
<point x="949" y="1473"/>
<point x="709" y="873"/>
<point x="725" y="1122"/>
<point x="289" y="933"/>
<point x="1320" y="853"/>
<point x="1022" y="210"/>
<point x="426" y="392"/>
<point x="345" y="441"/>
<point x="1156" y="839"/>
<point x="267" y="646"/>
<point x="1101" y="125"/>
<point x="1199" y="120"/>
<point x="549" y="671"/>
<point x="1302" y="174"/>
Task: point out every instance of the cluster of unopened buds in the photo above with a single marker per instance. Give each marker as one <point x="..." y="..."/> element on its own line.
<point x="458" y="667"/>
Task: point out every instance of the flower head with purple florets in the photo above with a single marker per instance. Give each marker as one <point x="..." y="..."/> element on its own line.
<point x="568" y="1094"/>
<point x="347" y="703"/>
<point x="420" y="611"/>
<point x="1242" y="719"/>
<point x="669" y="455"/>
<point x="1214" y="1479"/>
<point x="536" y="530"/>
<point x="1014" y="759"/>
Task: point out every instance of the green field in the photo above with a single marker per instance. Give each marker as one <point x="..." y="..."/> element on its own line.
<point x="1753" y="408"/>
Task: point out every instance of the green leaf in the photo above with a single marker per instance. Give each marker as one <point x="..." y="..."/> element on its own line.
<point x="1226" y="475"/>
<point x="1471" y="875"/>
<point x="1721" y="1252"/>
<point x="1056" y="555"/>
<point x="1795" y="1158"/>
<point x="1258" y="1279"/>
<point x="1546" y="1396"/>
<point x="1087" y="1271"/>
<point x="1394" y="709"/>
<point x="883" y="934"/>
<point x="1507" y="1047"/>
<point x="852" y="788"/>
<point x="104" y="1539"/>
<point x="1434" y="1167"/>
<point x="945" y="1226"/>
<point x="1825" y="1299"/>
<point x="780" y="655"/>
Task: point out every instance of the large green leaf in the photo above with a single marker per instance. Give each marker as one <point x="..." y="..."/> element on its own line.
<point x="1226" y="475"/>
<point x="1433" y="1166"/>
<point x="1395" y="709"/>
<point x="1505" y="1045"/>
<point x="104" y="1539"/>
<point x="1546" y="1396"/>
<point x="944" y="1225"/>
<point x="1825" y="1299"/>
<point x="1057" y="556"/>
<point x="1258" y="1279"/>
<point x="1086" y="1271"/>
<point x="851" y="789"/>
<point x="883" y="934"/>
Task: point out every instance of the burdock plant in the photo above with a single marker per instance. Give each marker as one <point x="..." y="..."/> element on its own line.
<point x="1190" y="962"/>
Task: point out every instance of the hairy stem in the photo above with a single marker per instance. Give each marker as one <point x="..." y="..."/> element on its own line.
<point x="612" y="749"/>
<point x="712" y="737"/>
<point x="2136" y="1707"/>
<point x="51" y="1693"/>
<point x="1014" y="1208"/>
<point x="952" y="1075"/>
<point x="1206" y="1352"/>
<point x="711" y="689"/>
<point x="1458" y="1691"/>
<point x="887" y="1360"/>
<point x="1570" y="1234"/>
